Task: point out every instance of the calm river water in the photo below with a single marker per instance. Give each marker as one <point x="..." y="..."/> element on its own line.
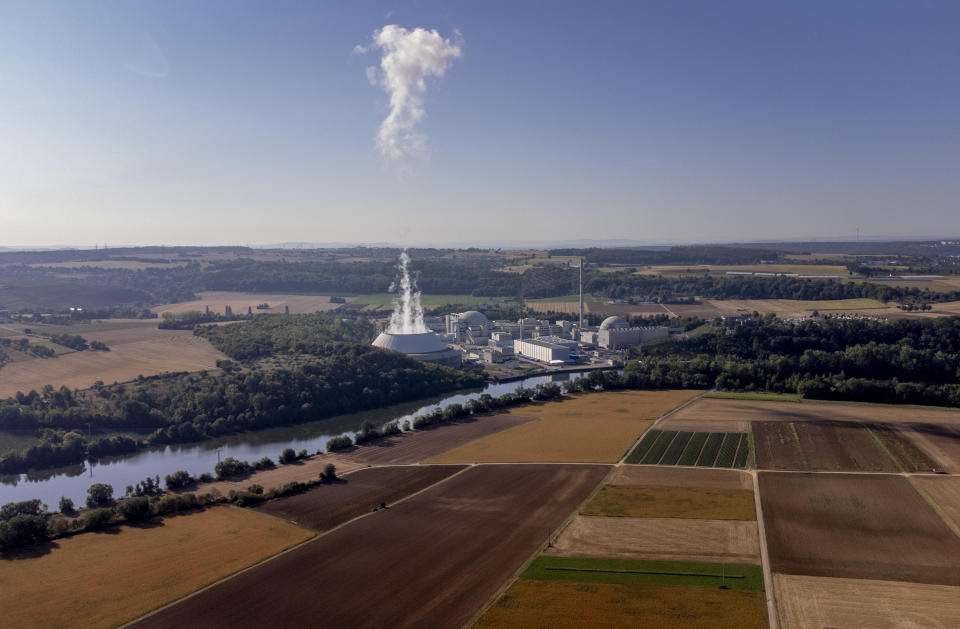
<point x="73" y="481"/>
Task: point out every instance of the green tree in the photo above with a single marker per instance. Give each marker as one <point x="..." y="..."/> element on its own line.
<point x="100" y="495"/>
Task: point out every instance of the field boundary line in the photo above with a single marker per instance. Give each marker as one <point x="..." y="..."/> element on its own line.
<point x="654" y="424"/>
<point x="772" y="608"/>
<point x="316" y="536"/>
<point x="954" y="526"/>
<point x="508" y="583"/>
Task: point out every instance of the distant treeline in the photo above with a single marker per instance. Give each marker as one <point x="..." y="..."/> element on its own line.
<point x="667" y="289"/>
<point x="700" y="254"/>
<point x="902" y="361"/>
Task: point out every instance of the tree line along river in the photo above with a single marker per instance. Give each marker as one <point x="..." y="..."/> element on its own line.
<point x="73" y="481"/>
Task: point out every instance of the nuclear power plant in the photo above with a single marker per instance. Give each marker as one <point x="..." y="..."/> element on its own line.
<point x="503" y="341"/>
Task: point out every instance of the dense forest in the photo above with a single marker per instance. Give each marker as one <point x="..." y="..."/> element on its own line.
<point x="900" y="361"/>
<point x="300" y="368"/>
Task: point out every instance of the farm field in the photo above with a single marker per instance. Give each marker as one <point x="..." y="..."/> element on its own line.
<point x="133" y="351"/>
<point x="625" y="310"/>
<point x="104" y="579"/>
<point x="706" y="411"/>
<point x="415" y="446"/>
<point x="940" y="442"/>
<point x="449" y="549"/>
<point x="658" y="538"/>
<point x="327" y="506"/>
<point x="944" y="491"/>
<point x="796" y="307"/>
<point x="133" y="265"/>
<point x="855" y="526"/>
<point x="672" y="502"/>
<point x="217" y="301"/>
<point x="816" y="602"/>
<point x="645" y="572"/>
<point x="701" y="309"/>
<point x="84" y="329"/>
<point x="531" y="603"/>
<point x="706" y="478"/>
<point x="591" y="428"/>
<point x="824" y="446"/>
<point x="703" y="449"/>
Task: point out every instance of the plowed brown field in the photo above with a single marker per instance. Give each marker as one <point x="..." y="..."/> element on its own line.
<point x="431" y="561"/>
<point x="552" y="604"/>
<point x="856" y="526"/>
<point x="817" y="602"/>
<point x="941" y="443"/>
<point x="826" y="445"/>
<point x="327" y="506"/>
<point x="659" y="538"/>
<point x="944" y="491"/>
<point x="681" y="477"/>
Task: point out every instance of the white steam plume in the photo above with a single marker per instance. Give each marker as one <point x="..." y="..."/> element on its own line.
<point x="407" y="317"/>
<point x="409" y="57"/>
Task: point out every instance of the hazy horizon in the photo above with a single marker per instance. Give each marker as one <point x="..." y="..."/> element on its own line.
<point x="233" y="123"/>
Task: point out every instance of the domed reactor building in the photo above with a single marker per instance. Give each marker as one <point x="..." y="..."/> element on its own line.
<point x="407" y="333"/>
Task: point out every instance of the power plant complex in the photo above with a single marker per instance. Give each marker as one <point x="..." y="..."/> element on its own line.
<point x="503" y="341"/>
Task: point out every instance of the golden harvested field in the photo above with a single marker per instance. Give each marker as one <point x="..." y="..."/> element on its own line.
<point x="551" y="604"/>
<point x="659" y="538"/>
<point x="944" y="491"/>
<point x="556" y="306"/>
<point x="664" y="476"/>
<point x="588" y="428"/>
<point x="796" y="307"/>
<point x="705" y="411"/>
<point x="815" y="602"/>
<point x="672" y="502"/>
<point x="104" y="579"/>
<point x="217" y="301"/>
<point x="133" y="351"/>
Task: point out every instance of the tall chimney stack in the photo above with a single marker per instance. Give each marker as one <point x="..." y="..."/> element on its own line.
<point x="581" y="293"/>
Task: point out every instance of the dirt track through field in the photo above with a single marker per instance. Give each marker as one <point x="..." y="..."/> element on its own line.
<point x="328" y="506"/>
<point x="872" y="526"/>
<point x="817" y="602"/>
<point x="437" y="558"/>
<point x="708" y="478"/>
<point x="659" y="538"/>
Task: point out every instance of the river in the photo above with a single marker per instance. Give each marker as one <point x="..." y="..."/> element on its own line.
<point x="197" y="458"/>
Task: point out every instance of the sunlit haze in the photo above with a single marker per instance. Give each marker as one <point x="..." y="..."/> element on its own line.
<point x="182" y="122"/>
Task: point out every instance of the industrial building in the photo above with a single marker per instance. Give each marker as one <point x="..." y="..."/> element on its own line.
<point x="615" y="333"/>
<point x="552" y="350"/>
<point x="427" y="347"/>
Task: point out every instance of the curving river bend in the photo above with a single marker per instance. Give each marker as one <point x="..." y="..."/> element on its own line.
<point x="197" y="458"/>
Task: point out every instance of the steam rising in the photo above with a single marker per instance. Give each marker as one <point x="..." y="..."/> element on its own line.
<point x="407" y="317"/>
<point x="409" y="57"/>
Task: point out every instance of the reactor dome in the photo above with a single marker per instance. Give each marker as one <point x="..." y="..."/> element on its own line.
<point x="426" y="346"/>
<point x="611" y="323"/>
<point x="472" y="317"/>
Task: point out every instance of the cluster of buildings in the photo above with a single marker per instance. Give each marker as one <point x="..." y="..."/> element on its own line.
<point x="560" y="342"/>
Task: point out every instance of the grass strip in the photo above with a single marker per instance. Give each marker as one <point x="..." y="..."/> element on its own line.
<point x="645" y="572"/>
<point x="644" y="446"/>
<point x="728" y="449"/>
<point x="710" y="449"/>
<point x="672" y="455"/>
<point x="661" y="445"/>
<point x="692" y="452"/>
<point x="740" y="460"/>
<point x="758" y="396"/>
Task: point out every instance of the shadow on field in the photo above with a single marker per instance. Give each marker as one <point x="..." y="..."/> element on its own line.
<point x="31" y="552"/>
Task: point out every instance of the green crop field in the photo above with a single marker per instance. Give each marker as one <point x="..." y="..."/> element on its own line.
<point x="710" y="450"/>
<point x="672" y="455"/>
<point x="703" y="449"/>
<point x="659" y="447"/>
<point x="692" y="452"/>
<point x="643" y="572"/>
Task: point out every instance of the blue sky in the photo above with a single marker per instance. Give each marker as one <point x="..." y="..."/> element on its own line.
<point x="181" y="122"/>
